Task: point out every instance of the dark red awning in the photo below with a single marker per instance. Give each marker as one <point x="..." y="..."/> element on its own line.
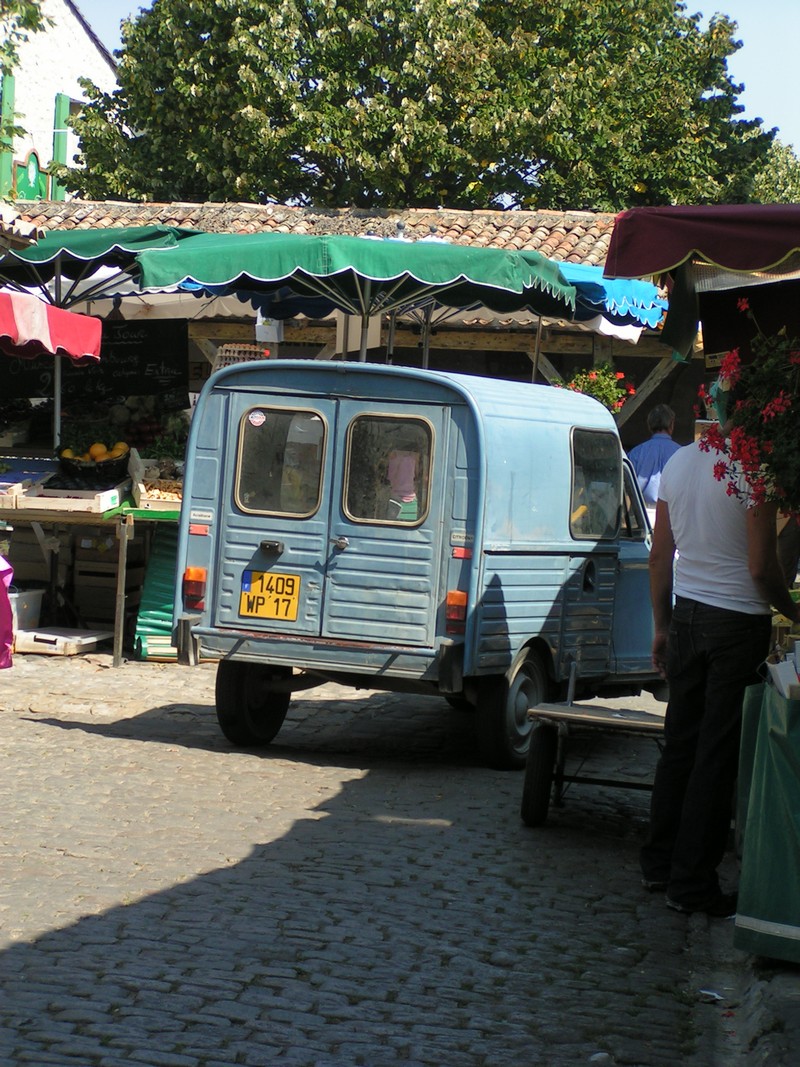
<point x="649" y="241"/>
<point x="30" y="327"/>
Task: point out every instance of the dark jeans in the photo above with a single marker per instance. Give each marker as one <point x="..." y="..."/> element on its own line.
<point x="712" y="656"/>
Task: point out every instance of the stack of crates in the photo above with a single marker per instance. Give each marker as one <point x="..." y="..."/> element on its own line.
<point x="94" y="573"/>
<point x="31" y="562"/>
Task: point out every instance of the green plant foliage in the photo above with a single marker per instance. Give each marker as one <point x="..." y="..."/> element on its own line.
<point x="467" y="103"/>
<point x="604" y="383"/>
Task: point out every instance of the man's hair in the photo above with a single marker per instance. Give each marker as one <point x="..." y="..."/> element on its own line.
<point x="660" y="419"/>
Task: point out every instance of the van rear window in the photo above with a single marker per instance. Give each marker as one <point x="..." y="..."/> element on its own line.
<point x="596" y="484"/>
<point x="281" y="454"/>
<point x="387" y="473"/>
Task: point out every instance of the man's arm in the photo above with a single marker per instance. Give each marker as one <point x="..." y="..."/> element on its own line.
<point x="662" y="554"/>
<point x="762" y="560"/>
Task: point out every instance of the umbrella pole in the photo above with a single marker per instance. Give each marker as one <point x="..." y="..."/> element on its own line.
<point x="58" y="294"/>
<point x="362" y="353"/>
<point x="56" y="401"/>
<point x="390" y="337"/>
<point x="426" y="336"/>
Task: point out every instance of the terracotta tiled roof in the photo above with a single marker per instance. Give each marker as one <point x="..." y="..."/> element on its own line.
<point x="15" y="232"/>
<point x="569" y="236"/>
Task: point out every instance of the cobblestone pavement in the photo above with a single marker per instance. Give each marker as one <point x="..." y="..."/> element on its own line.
<point x="363" y="892"/>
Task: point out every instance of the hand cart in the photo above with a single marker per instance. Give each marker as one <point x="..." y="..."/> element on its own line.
<point x="552" y="726"/>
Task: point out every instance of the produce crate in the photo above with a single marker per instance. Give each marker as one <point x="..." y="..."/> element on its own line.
<point x="10" y="491"/>
<point x="40" y="498"/>
<point x="156" y="494"/>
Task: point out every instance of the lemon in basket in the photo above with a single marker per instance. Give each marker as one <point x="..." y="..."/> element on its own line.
<point x="98" y="451"/>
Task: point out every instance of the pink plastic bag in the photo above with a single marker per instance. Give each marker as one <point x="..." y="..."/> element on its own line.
<point x="6" y="618"/>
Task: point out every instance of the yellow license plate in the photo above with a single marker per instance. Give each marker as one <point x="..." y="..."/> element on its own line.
<point x="267" y="595"/>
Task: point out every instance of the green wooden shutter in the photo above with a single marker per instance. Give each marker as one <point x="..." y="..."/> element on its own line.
<point x="6" y="143"/>
<point x="57" y="191"/>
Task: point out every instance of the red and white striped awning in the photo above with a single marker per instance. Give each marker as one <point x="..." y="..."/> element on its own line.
<point x="30" y="327"/>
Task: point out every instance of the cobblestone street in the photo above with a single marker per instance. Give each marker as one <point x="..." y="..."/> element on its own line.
<point x="362" y="892"/>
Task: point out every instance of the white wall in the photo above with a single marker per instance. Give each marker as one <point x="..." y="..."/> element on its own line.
<point x="51" y="62"/>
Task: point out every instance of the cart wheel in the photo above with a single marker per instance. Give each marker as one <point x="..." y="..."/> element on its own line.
<point x="539" y="770"/>
<point x="249" y="710"/>
<point x="503" y="724"/>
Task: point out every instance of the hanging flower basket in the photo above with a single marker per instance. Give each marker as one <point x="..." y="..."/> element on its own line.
<point x="604" y="383"/>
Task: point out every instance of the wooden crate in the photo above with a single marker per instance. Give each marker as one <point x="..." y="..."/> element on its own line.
<point x="40" y="498"/>
<point x="144" y="496"/>
<point x="11" y="491"/>
<point x="95" y="589"/>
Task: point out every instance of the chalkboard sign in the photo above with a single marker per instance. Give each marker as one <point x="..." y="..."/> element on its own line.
<point x="136" y="359"/>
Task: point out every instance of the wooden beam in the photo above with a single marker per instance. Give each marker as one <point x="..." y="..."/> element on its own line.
<point x="547" y="370"/>
<point x="215" y="330"/>
<point x="655" y="377"/>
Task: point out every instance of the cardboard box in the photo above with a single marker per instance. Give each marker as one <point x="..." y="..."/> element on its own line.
<point x="100" y="544"/>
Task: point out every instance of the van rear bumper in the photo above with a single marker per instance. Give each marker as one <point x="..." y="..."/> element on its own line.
<point x="323" y="656"/>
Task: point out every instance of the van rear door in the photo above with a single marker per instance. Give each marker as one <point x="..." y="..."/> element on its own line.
<point x="333" y="527"/>
<point x="381" y="577"/>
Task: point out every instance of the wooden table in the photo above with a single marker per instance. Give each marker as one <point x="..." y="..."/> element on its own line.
<point x="123" y="519"/>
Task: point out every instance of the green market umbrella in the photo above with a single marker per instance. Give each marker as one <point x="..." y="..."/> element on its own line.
<point x="67" y="267"/>
<point x="361" y="276"/>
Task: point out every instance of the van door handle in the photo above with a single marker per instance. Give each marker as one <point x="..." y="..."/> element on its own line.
<point x="340" y="542"/>
<point x="272" y="546"/>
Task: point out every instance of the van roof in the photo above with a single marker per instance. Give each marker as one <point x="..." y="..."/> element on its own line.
<point x="499" y="395"/>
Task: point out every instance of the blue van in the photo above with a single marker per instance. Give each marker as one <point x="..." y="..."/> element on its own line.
<point x="409" y="530"/>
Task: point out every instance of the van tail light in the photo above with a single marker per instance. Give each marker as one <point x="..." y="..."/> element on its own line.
<point x="455" y="611"/>
<point x="194" y="587"/>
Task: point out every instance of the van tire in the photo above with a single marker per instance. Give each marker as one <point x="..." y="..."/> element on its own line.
<point x="249" y="710"/>
<point x="539" y="770"/>
<point x="502" y="723"/>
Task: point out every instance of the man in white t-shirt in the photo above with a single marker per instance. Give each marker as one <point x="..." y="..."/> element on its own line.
<point x="709" y="645"/>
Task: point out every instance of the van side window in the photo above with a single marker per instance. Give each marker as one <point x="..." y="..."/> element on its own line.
<point x="596" y="484"/>
<point x="279" y="469"/>
<point x="634" y="525"/>
<point x="387" y="469"/>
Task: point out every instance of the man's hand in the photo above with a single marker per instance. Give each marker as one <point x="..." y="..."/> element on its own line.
<point x="660" y="652"/>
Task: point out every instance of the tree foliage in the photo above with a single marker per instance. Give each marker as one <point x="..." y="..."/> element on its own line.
<point x="779" y="180"/>
<point x="467" y="103"/>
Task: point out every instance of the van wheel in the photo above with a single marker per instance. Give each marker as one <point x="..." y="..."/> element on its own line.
<point x="539" y="768"/>
<point x="502" y="721"/>
<point x="249" y="710"/>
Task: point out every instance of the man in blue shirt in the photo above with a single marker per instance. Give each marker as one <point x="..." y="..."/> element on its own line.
<point x="650" y="457"/>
